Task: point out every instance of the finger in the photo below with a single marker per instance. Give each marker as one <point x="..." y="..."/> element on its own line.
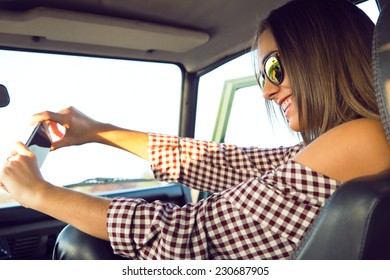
<point x="3" y="187"/>
<point x="1" y="181"/>
<point x="40" y="117"/>
<point x="55" y="129"/>
<point x="22" y="150"/>
<point x="48" y="116"/>
<point x="63" y="142"/>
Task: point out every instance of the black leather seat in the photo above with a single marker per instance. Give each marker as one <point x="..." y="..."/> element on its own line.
<point x="355" y="222"/>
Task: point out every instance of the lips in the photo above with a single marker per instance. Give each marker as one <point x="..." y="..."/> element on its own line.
<point x="286" y="103"/>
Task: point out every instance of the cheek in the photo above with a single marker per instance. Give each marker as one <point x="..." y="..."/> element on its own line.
<point x="286" y="81"/>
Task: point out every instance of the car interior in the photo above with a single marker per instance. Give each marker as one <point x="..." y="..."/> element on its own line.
<point x="197" y="37"/>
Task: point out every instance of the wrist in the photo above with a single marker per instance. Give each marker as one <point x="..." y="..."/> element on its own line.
<point x="38" y="195"/>
<point x="101" y="133"/>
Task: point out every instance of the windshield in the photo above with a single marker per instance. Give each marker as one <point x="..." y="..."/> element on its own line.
<point x="136" y="95"/>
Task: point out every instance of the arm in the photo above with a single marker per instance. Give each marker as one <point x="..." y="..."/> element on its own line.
<point x="209" y="166"/>
<point x="81" y="129"/>
<point x="172" y="158"/>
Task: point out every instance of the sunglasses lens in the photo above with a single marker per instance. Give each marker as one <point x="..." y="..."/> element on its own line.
<point x="273" y="70"/>
<point x="261" y="80"/>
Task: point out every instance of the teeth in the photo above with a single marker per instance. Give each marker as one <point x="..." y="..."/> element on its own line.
<point x="286" y="103"/>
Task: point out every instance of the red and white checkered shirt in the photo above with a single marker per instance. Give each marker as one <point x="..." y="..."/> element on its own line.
<point x="263" y="203"/>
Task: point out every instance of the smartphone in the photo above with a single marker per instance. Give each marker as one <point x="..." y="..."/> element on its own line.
<point x="40" y="142"/>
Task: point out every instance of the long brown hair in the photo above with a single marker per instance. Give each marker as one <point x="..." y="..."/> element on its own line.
<point x="325" y="48"/>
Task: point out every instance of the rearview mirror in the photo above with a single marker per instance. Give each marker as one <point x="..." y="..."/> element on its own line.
<point x="4" y="97"/>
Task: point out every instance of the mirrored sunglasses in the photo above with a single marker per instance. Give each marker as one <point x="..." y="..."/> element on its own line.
<point x="272" y="70"/>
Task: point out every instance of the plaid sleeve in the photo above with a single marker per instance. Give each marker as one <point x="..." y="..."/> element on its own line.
<point x="209" y="166"/>
<point x="261" y="218"/>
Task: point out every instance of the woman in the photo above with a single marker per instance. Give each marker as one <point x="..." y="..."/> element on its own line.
<point x="314" y="62"/>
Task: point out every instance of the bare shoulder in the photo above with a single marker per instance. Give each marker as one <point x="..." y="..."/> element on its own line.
<point x="353" y="149"/>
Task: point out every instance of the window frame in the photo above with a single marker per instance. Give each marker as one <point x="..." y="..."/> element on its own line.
<point x="229" y="90"/>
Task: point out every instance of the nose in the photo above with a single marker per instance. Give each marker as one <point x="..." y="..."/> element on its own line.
<point x="270" y="90"/>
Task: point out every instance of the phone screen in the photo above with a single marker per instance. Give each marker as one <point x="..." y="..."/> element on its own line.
<point x="40" y="142"/>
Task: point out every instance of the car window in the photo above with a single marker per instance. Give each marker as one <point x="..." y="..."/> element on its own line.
<point x="247" y="120"/>
<point x="210" y="92"/>
<point x="249" y="123"/>
<point x="370" y="7"/>
<point x="131" y="94"/>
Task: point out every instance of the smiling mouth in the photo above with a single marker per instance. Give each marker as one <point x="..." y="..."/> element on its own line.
<point x="286" y="103"/>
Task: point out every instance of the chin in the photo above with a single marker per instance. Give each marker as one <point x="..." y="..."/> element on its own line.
<point x="294" y="126"/>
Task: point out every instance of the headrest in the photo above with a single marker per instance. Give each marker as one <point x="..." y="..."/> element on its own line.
<point x="381" y="65"/>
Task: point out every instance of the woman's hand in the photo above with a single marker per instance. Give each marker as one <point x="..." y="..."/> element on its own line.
<point x="79" y="129"/>
<point x="21" y="176"/>
<point x="22" y="179"/>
